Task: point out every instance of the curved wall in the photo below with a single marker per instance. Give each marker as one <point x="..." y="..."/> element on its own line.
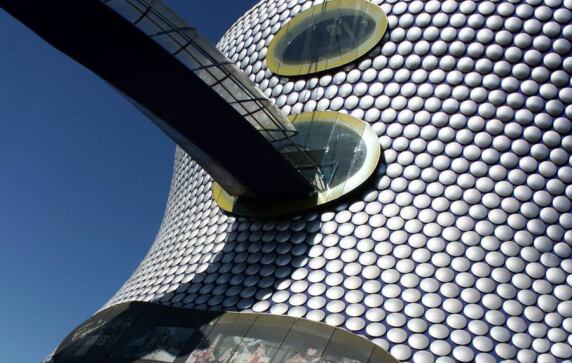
<point x="152" y="333"/>
<point x="460" y="249"/>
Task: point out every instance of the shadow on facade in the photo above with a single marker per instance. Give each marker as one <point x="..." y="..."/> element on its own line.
<point x="260" y="258"/>
<point x="257" y="270"/>
<point x="251" y="267"/>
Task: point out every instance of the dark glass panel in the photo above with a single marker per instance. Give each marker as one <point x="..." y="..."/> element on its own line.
<point x="159" y="336"/>
<point x="95" y="337"/>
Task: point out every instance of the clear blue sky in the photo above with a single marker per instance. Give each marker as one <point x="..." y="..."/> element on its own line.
<point x="84" y="179"/>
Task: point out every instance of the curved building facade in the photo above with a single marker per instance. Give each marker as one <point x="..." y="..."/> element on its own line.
<point x="458" y="249"/>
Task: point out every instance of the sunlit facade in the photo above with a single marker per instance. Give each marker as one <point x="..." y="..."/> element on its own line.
<point x="439" y="225"/>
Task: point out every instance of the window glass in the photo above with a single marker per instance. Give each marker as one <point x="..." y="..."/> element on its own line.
<point x="379" y="355"/>
<point x="336" y="145"/>
<point x="95" y="336"/>
<point x="306" y="342"/>
<point x="158" y="336"/>
<point x="337" y="149"/>
<point x="329" y="36"/>
<point x="326" y="36"/>
<point x="335" y="152"/>
<point x="347" y="348"/>
<point x="222" y="340"/>
<point x="144" y="332"/>
<point x="160" y="344"/>
<point x="255" y="350"/>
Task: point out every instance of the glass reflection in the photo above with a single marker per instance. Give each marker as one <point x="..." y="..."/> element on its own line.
<point x="161" y="344"/>
<point x="328" y="38"/>
<point x="162" y="334"/>
<point x="338" y="151"/>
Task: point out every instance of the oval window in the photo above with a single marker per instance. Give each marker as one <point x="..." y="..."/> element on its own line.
<point x="334" y="151"/>
<point x="326" y="36"/>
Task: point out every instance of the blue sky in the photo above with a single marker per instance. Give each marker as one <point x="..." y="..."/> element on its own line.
<point x="84" y="179"/>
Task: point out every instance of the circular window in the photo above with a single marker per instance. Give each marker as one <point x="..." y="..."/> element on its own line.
<point x="334" y="151"/>
<point x="326" y="36"/>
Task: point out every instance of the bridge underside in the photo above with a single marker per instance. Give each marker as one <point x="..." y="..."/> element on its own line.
<point x="202" y="122"/>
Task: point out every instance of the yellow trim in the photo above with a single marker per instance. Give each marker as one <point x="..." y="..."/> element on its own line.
<point x="276" y="66"/>
<point x="279" y="208"/>
<point x="224" y="200"/>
